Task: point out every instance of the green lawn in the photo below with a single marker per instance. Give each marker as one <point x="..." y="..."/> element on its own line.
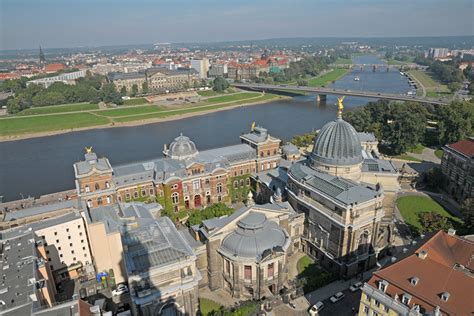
<point x="137" y="101"/>
<point x="327" y="78"/>
<point x="207" y="306"/>
<point x="418" y="149"/>
<point x="311" y="276"/>
<point x="303" y="263"/>
<point x="34" y="124"/>
<point x="74" y="107"/>
<point x="439" y="153"/>
<point x="411" y="206"/>
<point x="233" y="97"/>
<point x="434" y="94"/>
<point x="431" y="85"/>
<point x="343" y="61"/>
<point x="129" y="111"/>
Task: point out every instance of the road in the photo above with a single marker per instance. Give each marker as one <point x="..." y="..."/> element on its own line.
<point x="342" y="92"/>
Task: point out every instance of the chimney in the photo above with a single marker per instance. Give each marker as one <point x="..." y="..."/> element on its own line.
<point x="451" y="232"/>
<point x="422" y="254"/>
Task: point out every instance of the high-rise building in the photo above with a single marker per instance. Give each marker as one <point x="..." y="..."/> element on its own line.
<point x="201" y="66"/>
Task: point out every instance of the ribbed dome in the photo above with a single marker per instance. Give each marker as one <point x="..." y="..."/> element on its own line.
<point x="182" y="148"/>
<point x="337" y="144"/>
<point x="254" y="234"/>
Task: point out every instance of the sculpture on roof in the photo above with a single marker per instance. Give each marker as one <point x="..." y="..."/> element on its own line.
<point x="252" y="128"/>
<point x="88" y="149"/>
<point x="340" y="106"/>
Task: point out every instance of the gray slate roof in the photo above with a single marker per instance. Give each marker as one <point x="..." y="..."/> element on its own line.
<point x="378" y="165"/>
<point x="366" y="137"/>
<point x="155" y="245"/>
<point x="290" y="149"/>
<point x="337" y="144"/>
<point x="258" y="135"/>
<point x="84" y="167"/>
<point x="340" y="189"/>
<point x="253" y="236"/>
<point x="43" y="209"/>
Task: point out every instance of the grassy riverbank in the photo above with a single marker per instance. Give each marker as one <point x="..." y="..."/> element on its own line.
<point x="82" y="116"/>
<point x="327" y="78"/>
<point x="433" y="87"/>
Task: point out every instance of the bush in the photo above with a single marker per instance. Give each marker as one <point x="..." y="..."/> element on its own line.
<point x="433" y="222"/>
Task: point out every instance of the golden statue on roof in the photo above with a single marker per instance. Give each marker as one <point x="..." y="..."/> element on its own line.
<point x="88" y="149"/>
<point x="252" y="128"/>
<point x="340" y="105"/>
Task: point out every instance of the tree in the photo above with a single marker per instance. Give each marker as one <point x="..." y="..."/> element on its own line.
<point x="454" y="86"/>
<point x="467" y="211"/>
<point x="471" y="88"/>
<point x="134" y="91"/>
<point x="123" y="91"/>
<point x="433" y="221"/>
<point x="110" y="94"/>
<point x="145" y="87"/>
<point x="220" y="84"/>
<point x="434" y="178"/>
<point x="302" y="82"/>
<point x="455" y="122"/>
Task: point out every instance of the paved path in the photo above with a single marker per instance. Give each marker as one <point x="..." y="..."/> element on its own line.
<point x="427" y="154"/>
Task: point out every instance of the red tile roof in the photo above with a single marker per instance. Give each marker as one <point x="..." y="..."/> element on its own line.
<point x="5" y="76"/>
<point x="465" y="147"/>
<point x="446" y="268"/>
<point x="54" y="67"/>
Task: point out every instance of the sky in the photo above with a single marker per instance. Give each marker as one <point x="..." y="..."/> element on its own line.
<point x="74" y="23"/>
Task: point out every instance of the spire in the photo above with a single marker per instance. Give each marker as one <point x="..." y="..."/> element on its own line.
<point x="340" y="107"/>
<point x="42" y="59"/>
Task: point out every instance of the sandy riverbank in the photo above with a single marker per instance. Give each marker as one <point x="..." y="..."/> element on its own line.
<point x="134" y="123"/>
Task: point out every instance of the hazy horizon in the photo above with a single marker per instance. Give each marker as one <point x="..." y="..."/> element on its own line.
<point x="27" y="24"/>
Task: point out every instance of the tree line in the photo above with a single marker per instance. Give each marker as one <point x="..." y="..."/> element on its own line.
<point x="400" y="126"/>
<point x="92" y="88"/>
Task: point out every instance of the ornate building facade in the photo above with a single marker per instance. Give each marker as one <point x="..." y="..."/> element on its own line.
<point x="340" y="188"/>
<point x="185" y="178"/>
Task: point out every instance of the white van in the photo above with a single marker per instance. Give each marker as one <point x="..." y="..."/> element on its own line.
<point x="316" y="308"/>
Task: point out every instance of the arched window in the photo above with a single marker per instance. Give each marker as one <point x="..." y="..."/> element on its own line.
<point x="241" y="182"/>
<point x="108" y="199"/>
<point x="236" y="184"/>
<point x="219" y="187"/>
<point x="107" y="184"/>
<point x="97" y="186"/>
<point x="175" y="198"/>
<point x="87" y="189"/>
<point x="247" y="181"/>
<point x="99" y="201"/>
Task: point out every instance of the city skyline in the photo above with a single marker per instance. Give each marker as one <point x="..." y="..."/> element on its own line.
<point x="27" y="24"/>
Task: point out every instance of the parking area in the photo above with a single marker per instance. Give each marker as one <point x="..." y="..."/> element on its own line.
<point x="349" y="305"/>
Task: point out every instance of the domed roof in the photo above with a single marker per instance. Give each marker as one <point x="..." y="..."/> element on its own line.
<point x="254" y="234"/>
<point x="182" y="148"/>
<point x="337" y="144"/>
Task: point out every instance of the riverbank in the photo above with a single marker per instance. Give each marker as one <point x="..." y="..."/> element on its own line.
<point x="91" y="120"/>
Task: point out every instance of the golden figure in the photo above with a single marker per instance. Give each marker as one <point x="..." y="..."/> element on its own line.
<point x="88" y="149"/>
<point x="252" y="127"/>
<point x="340" y="105"/>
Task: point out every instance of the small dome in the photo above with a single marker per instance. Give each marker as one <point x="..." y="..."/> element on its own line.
<point x="337" y="144"/>
<point x="182" y="148"/>
<point x="254" y="234"/>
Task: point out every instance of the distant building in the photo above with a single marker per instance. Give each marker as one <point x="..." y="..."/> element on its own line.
<point x="104" y="69"/>
<point x="127" y="80"/>
<point x="438" y="53"/>
<point x="218" y="70"/>
<point x="66" y="78"/>
<point x="201" y="66"/>
<point x="457" y="165"/>
<point x="52" y="68"/>
<point x="437" y="280"/>
<point x="161" y="270"/>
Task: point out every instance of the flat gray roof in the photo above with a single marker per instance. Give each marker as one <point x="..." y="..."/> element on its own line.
<point x="43" y="209"/>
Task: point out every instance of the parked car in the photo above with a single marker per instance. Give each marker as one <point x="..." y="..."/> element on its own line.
<point x="121" y="289"/>
<point x="316" y="308"/>
<point x="337" y="297"/>
<point x="356" y="286"/>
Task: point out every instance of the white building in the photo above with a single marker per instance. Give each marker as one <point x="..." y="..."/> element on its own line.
<point x="201" y="66"/>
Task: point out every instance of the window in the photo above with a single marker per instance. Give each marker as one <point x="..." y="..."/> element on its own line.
<point x="99" y="201"/>
<point x="67" y="229"/>
<point x="108" y="199"/>
<point x="271" y="270"/>
<point x="152" y="192"/>
<point x="97" y="186"/>
<point x="79" y="226"/>
<point x="207" y="181"/>
<point x="219" y="187"/>
<point x="241" y="182"/>
<point x="406" y="298"/>
<point x="47" y="252"/>
<point x="87" y="188"/>
<point x="377" y="303"/>
<point x="60" y="255"/>
<point x="74" y="259"/>
<point x="383" y="285"/>
<point x="386" y="309"/>
<point x="375" y="313"/>
<point x="248" y="272"/>
<point x="82" y="241"/>
<point x="227" y="266"/>
<point x="445" y="296"/>
<point x="59" y="248"/>
<point x="414" y="281"/>
<point x="241" y="171"/>
<point x="236" y="184"/>
<point x="68" y="237"/>
<point x="83" y="248"/>
<point x="219" y="198"/>
<point x="55" y="233"/>
<point x="185" y="188"/>
<point x="70" y="245"/>
<point x="52" y="267"/>
<point x="268" y="152"/>
<point x="107" y="185"/>
<point x="143" y="192"/>
<point x="49" y="259"/>
<point x="196" y="185"/>
<point x="57" y="241"/>
<point x="247" y="181"/>
<point x="135" y="194"/>
<point x="274" y="151"/>
<point x="72" y="251"/>
<point x="366" y="310"/>
<point x="175" y="198"/>
<point x="261" y="154"/>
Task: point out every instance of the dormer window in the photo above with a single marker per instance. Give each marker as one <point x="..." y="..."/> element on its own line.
<point x="445" y="296"/>
<point x="383" y="285"/>
<point x="406" y="298"/>
<point x="414" y="280"/>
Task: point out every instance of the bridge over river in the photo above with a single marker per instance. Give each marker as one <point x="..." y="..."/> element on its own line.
<point x="321" y="93"/>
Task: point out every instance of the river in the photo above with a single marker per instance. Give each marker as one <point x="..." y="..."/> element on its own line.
<point x="43" y="165"/>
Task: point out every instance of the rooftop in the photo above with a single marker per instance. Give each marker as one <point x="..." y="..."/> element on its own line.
<point x="442" y="265"/>
<point x="465" y="147"/>
<point x="43" y="209"/>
